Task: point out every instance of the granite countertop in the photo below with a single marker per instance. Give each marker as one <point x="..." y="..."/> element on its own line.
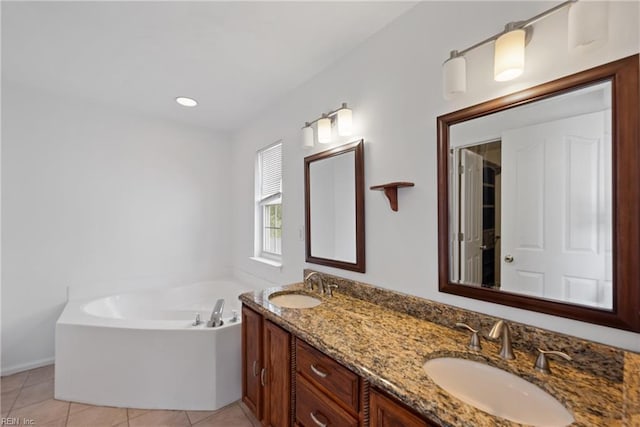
<point x="389" y="349"/>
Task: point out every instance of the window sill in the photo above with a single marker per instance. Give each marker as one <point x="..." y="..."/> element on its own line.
<point x="267" y="261"/>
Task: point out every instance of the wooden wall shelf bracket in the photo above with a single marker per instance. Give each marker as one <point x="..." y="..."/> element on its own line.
<point x="391" y="191"/>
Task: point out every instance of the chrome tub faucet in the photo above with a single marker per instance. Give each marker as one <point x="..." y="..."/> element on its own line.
<point x="216" y="314"/>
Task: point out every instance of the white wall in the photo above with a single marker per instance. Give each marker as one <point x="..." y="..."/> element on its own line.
<point x="100" y="201"/>
<point x="393" y="82"/>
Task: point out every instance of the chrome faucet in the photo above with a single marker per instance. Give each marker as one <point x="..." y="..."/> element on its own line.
<point x="216" y="314"/>
<point x="501" y="329"/>
<point x="309" y="284"/>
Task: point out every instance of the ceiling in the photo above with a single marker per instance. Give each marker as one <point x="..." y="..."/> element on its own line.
<point x="235" y="58"/>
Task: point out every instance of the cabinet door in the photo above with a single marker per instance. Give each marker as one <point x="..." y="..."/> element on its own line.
<point x="252" y="360"/>
<point x="276" y="376"/>
<point x="387" y="413"/>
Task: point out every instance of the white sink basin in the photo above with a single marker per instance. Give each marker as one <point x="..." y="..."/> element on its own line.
<point x="497" y="392"/>
<point x="294" y="300"/>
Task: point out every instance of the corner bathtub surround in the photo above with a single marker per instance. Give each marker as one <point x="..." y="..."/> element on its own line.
<point x="386" y="337"/>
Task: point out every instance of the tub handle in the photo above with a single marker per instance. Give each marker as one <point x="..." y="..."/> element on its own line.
<point x="318" y="372"/>
<point x="316" y="420"/>
<point x="255" y="363"/>
<point x="262" y="373"/>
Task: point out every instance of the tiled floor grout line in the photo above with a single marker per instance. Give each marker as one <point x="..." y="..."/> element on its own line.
<point x="66" y="421"/>
<point x="31" y="403"/>
<point x="17" y="395"/>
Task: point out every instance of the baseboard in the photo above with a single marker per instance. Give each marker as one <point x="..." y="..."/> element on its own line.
<point x="26" y="366"/>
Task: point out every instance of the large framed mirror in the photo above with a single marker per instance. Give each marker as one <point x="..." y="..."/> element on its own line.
<point x="334" y="207"/>
<point x="539" y="198"/>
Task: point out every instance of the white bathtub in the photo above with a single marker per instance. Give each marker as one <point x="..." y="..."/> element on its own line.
<point x="140" y="350"/>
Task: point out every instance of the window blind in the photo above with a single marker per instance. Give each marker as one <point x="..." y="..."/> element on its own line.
<point x="270" y="171"/>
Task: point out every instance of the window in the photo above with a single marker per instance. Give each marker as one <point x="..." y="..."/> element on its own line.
<point x="269" y="202"/>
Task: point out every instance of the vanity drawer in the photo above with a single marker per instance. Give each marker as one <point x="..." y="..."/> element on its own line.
<point x="386" y="412"/>
<point x="327" y="375"/>
<point x="315" y="409"/>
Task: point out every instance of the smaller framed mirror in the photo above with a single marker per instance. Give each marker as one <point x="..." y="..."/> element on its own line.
<point x="334" y="207"/>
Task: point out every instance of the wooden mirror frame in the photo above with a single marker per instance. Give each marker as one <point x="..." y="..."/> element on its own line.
<point x="625" y="314"/>
<point x="358" y="148"/>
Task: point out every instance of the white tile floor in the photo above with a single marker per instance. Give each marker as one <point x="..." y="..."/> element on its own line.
<point x="29" y="395"/>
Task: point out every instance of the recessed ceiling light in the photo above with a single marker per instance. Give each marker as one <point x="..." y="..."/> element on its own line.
<point x="186" y="102"/>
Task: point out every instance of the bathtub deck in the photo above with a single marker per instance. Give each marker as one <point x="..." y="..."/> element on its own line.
<point x="29" y="395"/>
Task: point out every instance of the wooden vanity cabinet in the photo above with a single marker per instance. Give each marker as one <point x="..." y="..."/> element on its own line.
<point x="386" y="412"/>
<point x="286" y="381"/>
<point x="266" y="369"/>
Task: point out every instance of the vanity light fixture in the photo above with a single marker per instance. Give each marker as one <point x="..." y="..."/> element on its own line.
<point x="186" y="102"/>
<point x="588" y="23"/>
<point x="345" y="121"/>
<point x="324" y="130"/>
<point x="508" y="59"/>
<point x="307" y="135"/>
<point x="343" y="116"/>
<point x="454" y="75"/>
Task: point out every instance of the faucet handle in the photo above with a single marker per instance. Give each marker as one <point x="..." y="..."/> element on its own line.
<point x="474" y="343"/>
<point x="542" y="364"/>
<point x="308" y="285"/>
<point x="330" y="289"/>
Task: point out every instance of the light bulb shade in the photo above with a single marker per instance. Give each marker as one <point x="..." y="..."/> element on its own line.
<point x="345" y="122"/>
<point x="588" y="24"/>
<point x="509" y="55"/>
<point x="324" y="130"/>
<point x="307" y="137"/>
<point x="454" y="76"/>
